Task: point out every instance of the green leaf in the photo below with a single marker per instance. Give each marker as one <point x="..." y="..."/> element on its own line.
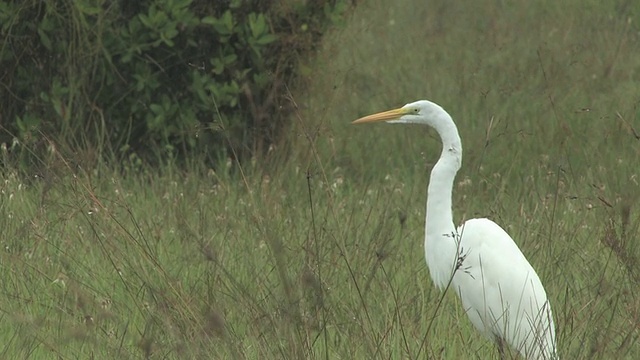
<point x="144" y="19"/>
<point x="181" y="4"/>
<point x="230" y="59"/>
<point x="218" y="66"/>
<point x="257" y="24"/>
<point x="267" y="39"/>
<point x="44" y="39"/>
<point x="156" y="108"/>
<point x="209" y="20"/>
<point x="85" y="8"/>
<point x="227" y="21"/>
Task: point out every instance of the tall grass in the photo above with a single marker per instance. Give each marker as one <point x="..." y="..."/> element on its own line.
<point x="316" y="250"/>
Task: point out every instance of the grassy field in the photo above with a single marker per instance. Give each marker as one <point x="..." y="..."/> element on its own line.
<point x="316" y="251"/>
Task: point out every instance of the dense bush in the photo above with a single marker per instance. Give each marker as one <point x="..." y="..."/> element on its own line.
<point x="124" y="79"/>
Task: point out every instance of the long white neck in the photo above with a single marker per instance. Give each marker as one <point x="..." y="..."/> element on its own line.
<point x="440" y="232"/>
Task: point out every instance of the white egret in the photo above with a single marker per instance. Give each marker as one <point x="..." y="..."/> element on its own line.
<point x="500" y="291"/>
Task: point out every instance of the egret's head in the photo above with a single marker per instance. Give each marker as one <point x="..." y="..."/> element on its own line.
<point x="419" y="112"/>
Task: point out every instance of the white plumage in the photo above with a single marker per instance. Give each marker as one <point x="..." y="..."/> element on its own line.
<point x="500" y="291"/>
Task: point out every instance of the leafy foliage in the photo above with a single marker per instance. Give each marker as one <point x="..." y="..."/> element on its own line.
<point x="154" y="77"/>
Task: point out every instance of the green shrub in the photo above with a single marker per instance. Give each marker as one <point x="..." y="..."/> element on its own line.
<point x="152" y="79"/>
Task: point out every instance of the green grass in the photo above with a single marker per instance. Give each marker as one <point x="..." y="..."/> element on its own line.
<point x="316" y="251"/>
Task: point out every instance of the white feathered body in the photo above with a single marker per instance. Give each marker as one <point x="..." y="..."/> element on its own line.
<point x="500" y="291"/>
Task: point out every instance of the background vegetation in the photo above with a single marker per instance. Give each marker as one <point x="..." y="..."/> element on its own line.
<point x="149" y="80"/>
<point x="314" y="250"/>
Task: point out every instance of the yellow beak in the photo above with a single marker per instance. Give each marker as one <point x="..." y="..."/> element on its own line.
<point x="381" y="116"/>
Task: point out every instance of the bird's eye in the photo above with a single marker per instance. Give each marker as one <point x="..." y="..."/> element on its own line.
<point x="416" y="110"/>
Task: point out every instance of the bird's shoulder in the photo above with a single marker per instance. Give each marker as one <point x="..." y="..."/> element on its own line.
<point x="484" y="235"/>
<point x="487" y="251"/>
